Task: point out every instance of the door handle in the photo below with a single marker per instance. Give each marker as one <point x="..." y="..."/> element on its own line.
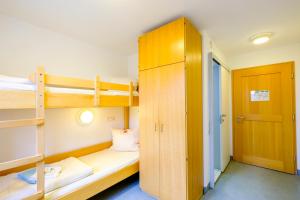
<point x="222" y="118"/>
<point x="155" y="126"/>
<point x="161" y="128"/>
<point x="240" y="118"/>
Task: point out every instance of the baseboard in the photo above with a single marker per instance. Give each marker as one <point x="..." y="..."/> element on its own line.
<point x="206" y="188"/>
<point x="298" y="172"/>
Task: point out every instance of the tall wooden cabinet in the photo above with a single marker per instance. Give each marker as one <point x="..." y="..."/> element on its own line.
<point x="170" y="76"/>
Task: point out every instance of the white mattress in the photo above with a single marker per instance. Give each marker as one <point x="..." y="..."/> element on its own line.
<point x="103" y="163"/>
<point x="13" y="83"/>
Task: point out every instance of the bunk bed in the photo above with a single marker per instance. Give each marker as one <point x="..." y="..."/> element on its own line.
<point x="42" y="91"/>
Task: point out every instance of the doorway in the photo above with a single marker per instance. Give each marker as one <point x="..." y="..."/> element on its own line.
<point x="219" y="85"/>
<point x="264" y="116"/>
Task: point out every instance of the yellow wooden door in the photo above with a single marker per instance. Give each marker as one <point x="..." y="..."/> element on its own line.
<point x="162" y="46"/>
<point x="263" y="116"/>
<point x="172" y="174"/>
<point x="149" y="131"/>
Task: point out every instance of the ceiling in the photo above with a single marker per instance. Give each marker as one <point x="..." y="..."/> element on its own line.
<point x="116" y="24"/>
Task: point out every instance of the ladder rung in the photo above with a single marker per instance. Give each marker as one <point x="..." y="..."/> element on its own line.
<point x="21" y="123"/>
<point x="20" y="162"/>
<point x="35" y="196"/>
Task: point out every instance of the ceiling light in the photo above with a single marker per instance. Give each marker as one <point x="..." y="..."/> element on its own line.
<point x="260" y="38"/>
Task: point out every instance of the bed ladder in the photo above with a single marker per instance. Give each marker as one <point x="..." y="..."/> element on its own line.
<point x="38" y="121"/>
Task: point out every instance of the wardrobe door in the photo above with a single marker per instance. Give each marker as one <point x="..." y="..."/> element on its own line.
<point x="172" y="132"/>
<point x="162" y="46"/>
<point x="149" y="136"/>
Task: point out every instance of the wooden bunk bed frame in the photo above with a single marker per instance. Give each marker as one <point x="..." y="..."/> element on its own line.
<point x="39" y="100"/>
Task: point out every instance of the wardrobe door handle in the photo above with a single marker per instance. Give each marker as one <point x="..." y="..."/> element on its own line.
<point x="162" y="128"/>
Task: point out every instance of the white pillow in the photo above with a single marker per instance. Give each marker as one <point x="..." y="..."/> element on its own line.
<point x="124" y="140"/>
<point x="135" y="133"/>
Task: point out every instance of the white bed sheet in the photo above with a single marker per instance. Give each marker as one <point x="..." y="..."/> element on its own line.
<point x="103" y="163"/>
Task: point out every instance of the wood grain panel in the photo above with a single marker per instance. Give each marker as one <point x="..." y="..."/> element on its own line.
<point x="265" y="135"/>
<point x="162" y="46"/>
<point x="149" y="133"/>
<point x="193" y="53"/>
<point x="172" y="137"/>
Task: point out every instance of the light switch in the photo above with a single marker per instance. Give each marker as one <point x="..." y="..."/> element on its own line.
<point x="111" y="118"/>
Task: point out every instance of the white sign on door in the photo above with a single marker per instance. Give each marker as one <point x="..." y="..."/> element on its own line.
<point x="260" y="95"/>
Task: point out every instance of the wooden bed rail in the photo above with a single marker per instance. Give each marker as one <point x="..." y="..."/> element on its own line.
<point x="21" y="123"/>
<point x="76" y="83"/>
<point x="38" y="195"/>
<point x="58" y="157"/>
<point x="20" y="162"/>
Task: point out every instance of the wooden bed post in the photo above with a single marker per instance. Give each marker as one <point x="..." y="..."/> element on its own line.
<point x="126" y="109"/>
<point x="126" y="117"/>
<point x="97" y="91"/>
<point x="40" y="138"/>
<point x="130" y="88"/>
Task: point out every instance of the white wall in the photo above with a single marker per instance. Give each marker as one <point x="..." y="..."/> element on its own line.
<point x="23" y="48"/>
<point x="133" y="73"/>
<point x="133" y="66"/>
<point x="275" y="55"/>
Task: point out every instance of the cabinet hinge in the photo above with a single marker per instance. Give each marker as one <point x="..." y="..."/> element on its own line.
<point x="293" y="75"/>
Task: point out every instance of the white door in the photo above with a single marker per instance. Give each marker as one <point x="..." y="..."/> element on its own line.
<point x="225" y="135"/>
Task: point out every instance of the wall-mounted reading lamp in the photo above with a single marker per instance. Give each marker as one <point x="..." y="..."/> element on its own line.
<point x="85" y="117"/>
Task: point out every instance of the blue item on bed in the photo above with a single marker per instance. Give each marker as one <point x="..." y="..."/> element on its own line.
<point x="29" y="176"/>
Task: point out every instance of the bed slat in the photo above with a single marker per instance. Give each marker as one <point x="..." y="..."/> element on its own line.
<point x="20" y="162"/>
<point x="21" y="123"/>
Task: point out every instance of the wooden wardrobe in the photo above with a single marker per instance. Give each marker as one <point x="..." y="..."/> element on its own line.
<point x="170" y="78"/>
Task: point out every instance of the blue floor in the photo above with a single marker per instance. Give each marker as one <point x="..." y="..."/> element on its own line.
<point x="128" y="190"/>
<point x="239" y="182"/>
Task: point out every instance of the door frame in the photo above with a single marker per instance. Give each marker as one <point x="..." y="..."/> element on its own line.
<point x="293" y="106"/>
<point x="211" y="57"/>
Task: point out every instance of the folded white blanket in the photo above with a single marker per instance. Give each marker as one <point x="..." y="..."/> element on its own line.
<point x="72" y="169"/>
<point x="51" y="172"/>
